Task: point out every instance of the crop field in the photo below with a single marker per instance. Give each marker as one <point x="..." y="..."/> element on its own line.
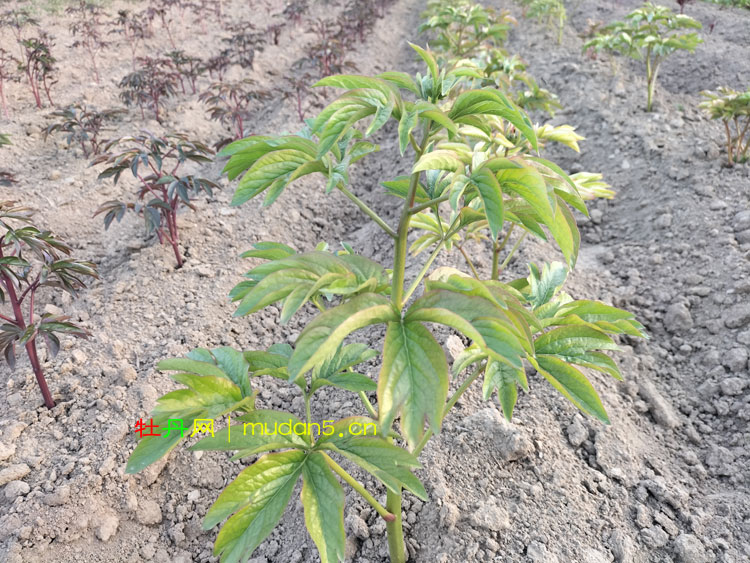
<point x="441" y="281"/>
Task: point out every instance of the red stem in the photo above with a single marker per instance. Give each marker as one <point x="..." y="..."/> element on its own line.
<point x="3" y="101"/>
<point x="31" y="344"/>
<point x="34" y="359"/>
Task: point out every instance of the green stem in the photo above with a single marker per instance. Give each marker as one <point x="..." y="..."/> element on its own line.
<point x="357" y="486"/>
<point x="469" y="262"/>
<point x="394" y="528"/>
<point x="497" y="248"/>
<point x="426" y="204"/>
<point x="368" y="405"/>
<point x="423" y="271"/>
<point x="399" y="258"/>
<point x="367" y="211"/>
<point x="448" y="406"/>
<point x="307" y="409"/>
<point x="513" y="251"/>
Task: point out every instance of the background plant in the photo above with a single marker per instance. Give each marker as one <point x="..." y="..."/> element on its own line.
<point x="162" y="13"/>
<point x="243" y="44"/>
<point x="153" y="80"/>
<point x="733" y="108"/>
<point x="187" y="68"/>
<point x="294" y="10"/>
<point x="461" y="28"/>
<point x="18" y="20"/>
<point x="156" y="163"/>
<point x="133" y="28"/>
<point x="298" y="88"/>
<point x="7" y="63"/>
<point x="328" y="51"/>
<point x="650" y="33"/>
<point x="458" y="182"/>
<point x="549" y="12"/>
<point x="31" y="259"/>
<point x="228" y="103"/>
<point x="82" y="124"/>
<point x="217" y="66"/>
<point x="5" y="177"/>
<point x="735" y="3"/>
<point x="38" y="65"/>
<point x="88" y="28"/>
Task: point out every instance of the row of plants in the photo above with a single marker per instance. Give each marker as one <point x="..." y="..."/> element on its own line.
<point x="651" y="34"/>
<point x="475" y="173"/>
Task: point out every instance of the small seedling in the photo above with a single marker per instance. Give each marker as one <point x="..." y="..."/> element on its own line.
<point x="82" y="124"/>
<point x="88" y="28"/>
<point x="133" y="28"/>
<point x="7" y="63"/>
<point x="228" y="102"/>
<point x="274" y="32"/>
<point x="188" y="67"/>
<point x="31" y="259"/>
<point x="156" y="164"/>
<point x="549" y="12"/>
<point x="733" y="108"/>
<point x="217" y="66"/>
<point x="243" y="44"/>
<point x="38" y="65"/>
<point x="148" y="85"/>
<point x="462" y="28"/>
<point x="294" y="10"/>
<point x="328" y="52"/>
<point x="650" y="34"/>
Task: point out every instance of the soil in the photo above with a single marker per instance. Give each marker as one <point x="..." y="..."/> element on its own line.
<point x="667" y="481"/>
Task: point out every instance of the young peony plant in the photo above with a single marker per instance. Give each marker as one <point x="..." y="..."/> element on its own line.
<point x="514" y="325"/>
<point x="650" y="34"/>
<point x="733" y="108"/>
<point x="31" y="259"/>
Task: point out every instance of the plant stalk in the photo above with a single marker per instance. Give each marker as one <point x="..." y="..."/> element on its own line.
<point x="448" y="406"/>
<point x="357" y="486"/>
<point x="394" y="528"/>
<point x="426" y="204"/>
<point x="399" y="258"/>
<point x="31" y="344"/>
<point x="367" y="211"/>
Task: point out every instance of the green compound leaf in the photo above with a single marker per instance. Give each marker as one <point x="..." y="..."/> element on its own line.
<point x="413" y="379"/>
<point x="257" y="498"/>
<point x="321" y="338"/>
<point x="572" y="384"/>
<point x="323" y="500"/>
<point x="360" y="440"/>
<point x="492" y="198"/>
<point x="504" y="379"/>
